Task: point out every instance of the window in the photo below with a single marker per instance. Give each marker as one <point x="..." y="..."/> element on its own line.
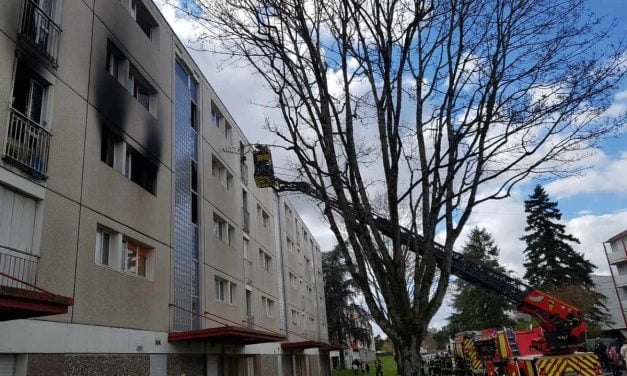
<point x="122" y="253"/>
<point x="115" y="61"/>
<point x="265" y="261"/>
<point x="228" y="132"/>
<point x="140" y="170"/>
<point x="293" y="281"/>
<point x="133" y="166"/>
<point x="139" y="87"/>
<point x="249" y="303"/>
<point x="264" y="218"/>
<point x="268" y="305"/>
<point x="222" y="230"/>
<point x="307" y="262"/>
<point x="29" y="94"/>
<point x="122" y="70"/>
<point x="103" y="247"/>
<point x="243" y="168"/>
<point x="229" y="181"/>
<point x="309" y="290"/>
<point x="290" y="245"/>
<point x="245" y="248"/>
<point x="217" y="168"/>
<point x="312" y="323"/>
<point x="216" y="115"/>
<point x="142" y="16"/>
<point x="107" y="147"/>
<point x="220" y="173"/>
<point x="295" y="317"/>
<point x="136" y="257"/>
<point x="225" y="290"/>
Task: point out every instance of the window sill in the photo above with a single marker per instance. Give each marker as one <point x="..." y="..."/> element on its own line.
<point x="107" y="267"/>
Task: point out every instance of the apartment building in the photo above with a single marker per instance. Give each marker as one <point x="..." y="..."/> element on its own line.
<point x="132" y="237"/>
<point x="616" y="253"/>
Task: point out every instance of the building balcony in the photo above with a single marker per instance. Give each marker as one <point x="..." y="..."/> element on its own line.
<point x="27" y="145"/>
<point x="621" y="280"/>
<point x="245" y="221"/>
<point x="616" y="258"/>
<point x="39" y="31"/>
<point x="20" y="298"/>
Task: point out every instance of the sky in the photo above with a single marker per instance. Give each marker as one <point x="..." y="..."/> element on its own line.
<point x="594" y="204"/>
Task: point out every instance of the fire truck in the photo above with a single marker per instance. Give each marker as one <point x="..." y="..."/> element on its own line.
<point x="548" y="350"/>
<point x="495" y="352"/>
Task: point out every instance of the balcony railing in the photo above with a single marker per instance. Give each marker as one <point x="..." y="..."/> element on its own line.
<point x="617" y="257"/>
<point x="17" y="269"/>
<point x="27" y="144"/>
<point x="40" y="31"/>
<point x="245" y="220"/>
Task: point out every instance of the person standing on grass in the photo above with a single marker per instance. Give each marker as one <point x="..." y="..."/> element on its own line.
<point x="379" y="367"/>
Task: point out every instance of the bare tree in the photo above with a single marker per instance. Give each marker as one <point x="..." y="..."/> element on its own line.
<point x="439" y="105"/>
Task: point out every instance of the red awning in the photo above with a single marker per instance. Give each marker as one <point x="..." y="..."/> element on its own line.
<point x="303" y="345"/>
<point x="16" y="303"/>
<point x="233" y="335"/>
<point x="332" y="347"/>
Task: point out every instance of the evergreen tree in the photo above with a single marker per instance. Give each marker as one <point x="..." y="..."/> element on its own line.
<point x="553" y="265"/>
<point x="551" y="261"/>
<point x="475" y="307"/>
<point x="339" y="293"/>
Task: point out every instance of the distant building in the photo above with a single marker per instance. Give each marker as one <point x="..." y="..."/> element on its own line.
<point x="616" y="252"/>
<point x="604" y="284"/>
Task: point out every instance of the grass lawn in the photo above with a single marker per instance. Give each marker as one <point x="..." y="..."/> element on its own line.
<point x="389" y="368"/>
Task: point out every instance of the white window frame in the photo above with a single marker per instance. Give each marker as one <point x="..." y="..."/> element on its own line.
<point x="223" y="230"/>
<point x="225" y="290"/>
<point x="268" y="305"/>
<point x="100" y="235"/>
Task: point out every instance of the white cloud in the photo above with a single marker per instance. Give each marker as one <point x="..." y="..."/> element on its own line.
<point x="606" y="175"/>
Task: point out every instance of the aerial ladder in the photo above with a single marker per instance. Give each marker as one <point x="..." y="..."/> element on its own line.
<point x="563" y="325"/>
<point x="548" y="350"/>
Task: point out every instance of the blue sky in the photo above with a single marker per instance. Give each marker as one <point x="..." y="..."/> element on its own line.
<point x="594" y="204"/>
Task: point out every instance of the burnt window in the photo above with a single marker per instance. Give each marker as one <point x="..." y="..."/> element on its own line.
<point x="140" y="88"/>
<point x="107" y="147"/>
<point x="115" y="61"/>
<point x="143" y="18"/>
<point x="140" y="170"/>
<point x="29" y="93"/>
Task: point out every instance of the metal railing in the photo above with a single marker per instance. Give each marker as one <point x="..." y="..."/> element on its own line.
<point x="18" y="269"/>
<point x="245" y="220"/>
<point x="27" y="144"/>
<point x="40" y="31"/>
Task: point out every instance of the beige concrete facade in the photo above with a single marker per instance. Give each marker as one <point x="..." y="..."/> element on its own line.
<point x="84" y="192"/>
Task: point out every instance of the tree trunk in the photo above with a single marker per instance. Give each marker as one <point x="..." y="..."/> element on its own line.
<point x="407" y="355"/>
<point x="342" y="364"/>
